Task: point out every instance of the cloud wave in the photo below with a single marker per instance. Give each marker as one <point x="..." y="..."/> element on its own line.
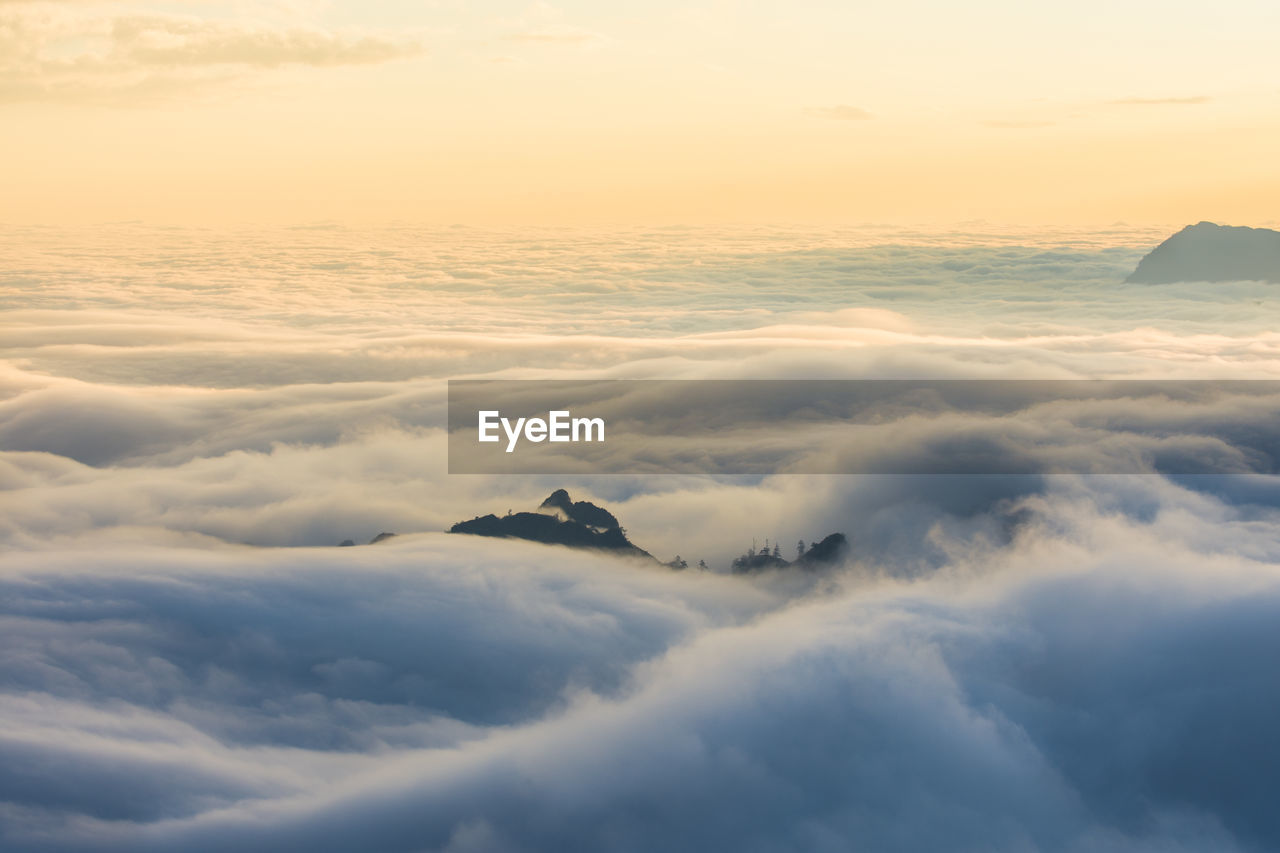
<point x="190" y="421"/>
<point x="1096" y="686"/>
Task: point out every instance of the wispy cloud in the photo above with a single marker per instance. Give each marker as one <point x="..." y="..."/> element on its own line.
<point x="1153" y="102"/>
<point x="543" y="23"/>
<point x="1016" y="124"/>
<point x="88" y="55"/>
<point x="166" y="41"/>
<point x="556" y="34"/>
<point x="839" y="112"/>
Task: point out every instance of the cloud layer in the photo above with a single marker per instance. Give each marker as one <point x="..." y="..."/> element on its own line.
<point x="190" y="421"/>
<point x="1096" y="685"/>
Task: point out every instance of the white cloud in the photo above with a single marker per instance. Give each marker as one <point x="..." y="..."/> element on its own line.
<point x="1064" y="665"/>
<point x="1072" y="692"/>
<point x="1187" y="100"/>
<point x="112" y="54"/>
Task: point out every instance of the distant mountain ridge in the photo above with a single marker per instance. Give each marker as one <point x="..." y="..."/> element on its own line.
<point x="583" y="512"/>
<point x="560" y="520"/>
<point x="1210" y="252"/>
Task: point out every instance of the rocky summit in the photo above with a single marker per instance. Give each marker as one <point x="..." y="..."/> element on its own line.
<point x="559" y="520"/>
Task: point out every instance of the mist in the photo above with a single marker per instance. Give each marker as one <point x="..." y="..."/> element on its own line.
<point x="191" y="423"/>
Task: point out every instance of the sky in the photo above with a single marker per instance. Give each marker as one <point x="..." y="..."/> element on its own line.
<point x="588" y="113"/>
<point x="243" y="247"/>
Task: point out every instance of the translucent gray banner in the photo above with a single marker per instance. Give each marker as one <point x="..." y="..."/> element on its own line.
<point x="894" y="426"/>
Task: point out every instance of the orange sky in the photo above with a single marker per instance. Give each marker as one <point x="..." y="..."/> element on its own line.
<point x="506" y="113"/>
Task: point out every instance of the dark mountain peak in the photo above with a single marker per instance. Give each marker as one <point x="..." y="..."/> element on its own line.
<point x="1207" y="251"/>
<point x="558" y="499"/>
<point x="828" y="552"/>
<point x="558" y="521"/>
<point x="583" y="512"/>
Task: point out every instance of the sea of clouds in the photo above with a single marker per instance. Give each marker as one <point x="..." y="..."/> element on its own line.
<point x="190" y="421"/>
